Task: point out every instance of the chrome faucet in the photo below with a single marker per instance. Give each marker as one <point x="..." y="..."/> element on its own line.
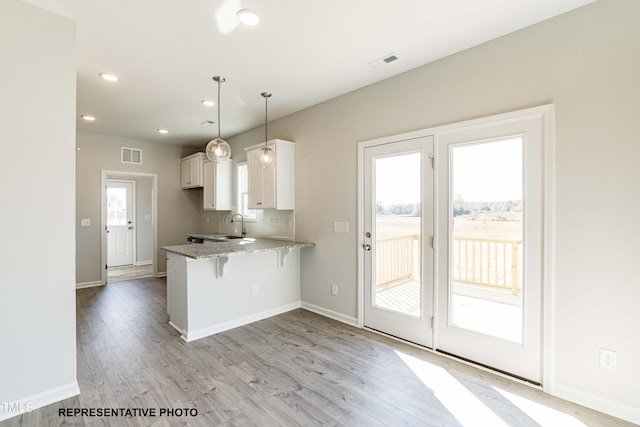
<point x="243" y="232"/>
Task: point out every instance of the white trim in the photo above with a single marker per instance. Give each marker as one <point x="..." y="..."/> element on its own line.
<point x="626" y="412"/>
<point x="225" y="326"/>
<point x="548" y="248"/>
<point x="147" y="262"/>
<point x="110" y="174"/>
<point x="83" y="285"/>
<point x="331" y="314"/>
<point x="161" y="274"/>
<point x="42" y="399"/>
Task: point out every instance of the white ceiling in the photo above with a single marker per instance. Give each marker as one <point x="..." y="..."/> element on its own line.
<point x="304" y="52"/>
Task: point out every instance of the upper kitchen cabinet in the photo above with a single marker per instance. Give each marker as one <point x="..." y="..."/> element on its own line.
<point x="217" y="185"/>
<point x="272" y="187"/>
<point x="191" y="171"/>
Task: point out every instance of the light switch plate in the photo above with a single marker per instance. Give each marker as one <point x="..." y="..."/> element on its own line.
<point x="341" y="226"/>
<point x="85" y="222"/>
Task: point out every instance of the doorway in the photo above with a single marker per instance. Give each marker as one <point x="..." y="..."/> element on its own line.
<point x="129" y="226"/>
<point x="477" y="285"/>
<point x="398" y="227"/>
<point x="121" y="214"/>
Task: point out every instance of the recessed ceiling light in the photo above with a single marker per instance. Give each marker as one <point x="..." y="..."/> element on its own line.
<point x="248" y="17"/>
<point x="208" y="103"/>
<point x="163" y="131"/>
<point x="109" y="77"/>
<point x="88" y="118"/>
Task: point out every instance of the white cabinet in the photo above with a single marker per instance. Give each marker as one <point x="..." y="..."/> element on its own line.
<point x="273" y="187"/>
<point x="216" y="194"/>
<point x="191" y="175"/>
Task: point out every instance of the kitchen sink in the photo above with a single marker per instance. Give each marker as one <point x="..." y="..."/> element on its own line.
<point x="225" y="238"/>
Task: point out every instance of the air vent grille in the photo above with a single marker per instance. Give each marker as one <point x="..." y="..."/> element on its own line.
<point x="388" y="58"/>
<point x="131" y="155"/>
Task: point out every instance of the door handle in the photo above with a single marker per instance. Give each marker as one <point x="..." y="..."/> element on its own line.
<point x="130" y="228"/>
<point x="366" y="246"/>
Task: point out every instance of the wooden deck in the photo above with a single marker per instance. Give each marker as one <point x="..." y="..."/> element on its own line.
<point x="490" y="312"/>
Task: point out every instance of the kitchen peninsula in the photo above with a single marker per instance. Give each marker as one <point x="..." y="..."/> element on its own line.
<point x="226" y="282"/>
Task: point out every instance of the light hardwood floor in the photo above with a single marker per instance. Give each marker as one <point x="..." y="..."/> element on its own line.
<point x="295" y="369"/>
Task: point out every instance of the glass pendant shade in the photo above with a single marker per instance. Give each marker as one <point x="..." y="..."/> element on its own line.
<point x="218" y="150"/>
<point x="265" y="157"/>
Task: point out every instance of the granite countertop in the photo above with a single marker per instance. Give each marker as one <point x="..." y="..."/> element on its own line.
<point x="212" y="249"/>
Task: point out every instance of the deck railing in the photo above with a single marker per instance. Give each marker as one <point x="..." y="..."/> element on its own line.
<point x="488" y="263"/>
<point x="396" y="259"/>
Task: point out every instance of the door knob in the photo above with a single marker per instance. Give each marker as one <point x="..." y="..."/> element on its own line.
<point x="366" y="247"/>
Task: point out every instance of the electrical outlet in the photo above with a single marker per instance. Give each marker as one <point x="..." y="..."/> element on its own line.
<point x="334" y="290"/>
<point x="85" y="222"/>
<point x="254" y="290"/>
<point x="608" y="359"/>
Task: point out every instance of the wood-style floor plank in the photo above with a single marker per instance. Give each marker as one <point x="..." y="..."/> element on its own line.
<point x="295" y="369"/>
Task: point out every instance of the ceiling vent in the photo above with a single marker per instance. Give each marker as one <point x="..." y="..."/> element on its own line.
<point x="131" y="155"/>
<point x="383" y="61"/>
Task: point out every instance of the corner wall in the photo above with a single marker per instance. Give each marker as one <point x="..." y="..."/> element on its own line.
<point x="178" y="210"/>
<point x="587" y="63"/>
<point x="37" y="248"/>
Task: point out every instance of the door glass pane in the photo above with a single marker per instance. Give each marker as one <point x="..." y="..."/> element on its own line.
<point x="116" y="206"/>
<point x="486" y="248"/>
<point x="396" y="248"/>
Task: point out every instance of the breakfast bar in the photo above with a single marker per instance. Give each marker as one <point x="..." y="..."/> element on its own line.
<point x="225" y="282"/>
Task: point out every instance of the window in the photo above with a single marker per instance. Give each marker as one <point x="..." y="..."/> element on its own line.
<point x="242" y="194"/>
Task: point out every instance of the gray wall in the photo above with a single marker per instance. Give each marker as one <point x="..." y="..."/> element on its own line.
<point x="587" y="62"/>
<point x="144" y="227"/>
<point x="179" y="210"/>
<point x="37" y="248"/>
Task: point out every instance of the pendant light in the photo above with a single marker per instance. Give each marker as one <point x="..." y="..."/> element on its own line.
<point x="265" y="155"/>
<point x="218" y="149"/>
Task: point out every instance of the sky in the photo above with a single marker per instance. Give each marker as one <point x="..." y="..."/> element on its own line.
<point x="482" y="172"/>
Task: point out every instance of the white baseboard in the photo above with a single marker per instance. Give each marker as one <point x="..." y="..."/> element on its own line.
<point x="39" y="400"/>
<point x="89" y="284"/>
<point x="148" y="262"/>
<point x="331" y="314"/>
<point x="221" y="327"/>
<point x="162" y="274"/>
<point x="628" y="413"/>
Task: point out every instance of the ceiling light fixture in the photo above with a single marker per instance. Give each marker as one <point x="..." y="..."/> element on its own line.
<point x="265" y="155"/>
<point x="218" y="149"/>
<point x="109" y="77"/>
<point x="208" y="103"/>
<point x="88" y="118"/>
<point x="163" y="131"/>
<point x="248" y="17"/>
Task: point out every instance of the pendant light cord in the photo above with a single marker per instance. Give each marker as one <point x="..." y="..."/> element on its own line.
<point x="266" y="101"/>
<point x="218" y="109"/>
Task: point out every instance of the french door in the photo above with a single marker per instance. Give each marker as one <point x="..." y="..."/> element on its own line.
<point x="397" y="241"/>
<point x="490" y="205"/>
<point x="452" y="257"/>
<point x="120" y="213"/>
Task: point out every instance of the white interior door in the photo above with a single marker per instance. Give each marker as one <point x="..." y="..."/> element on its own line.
<point x="397" y="240"/>
<point x="490" y="210"/>
<point x="120" y="220"/>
